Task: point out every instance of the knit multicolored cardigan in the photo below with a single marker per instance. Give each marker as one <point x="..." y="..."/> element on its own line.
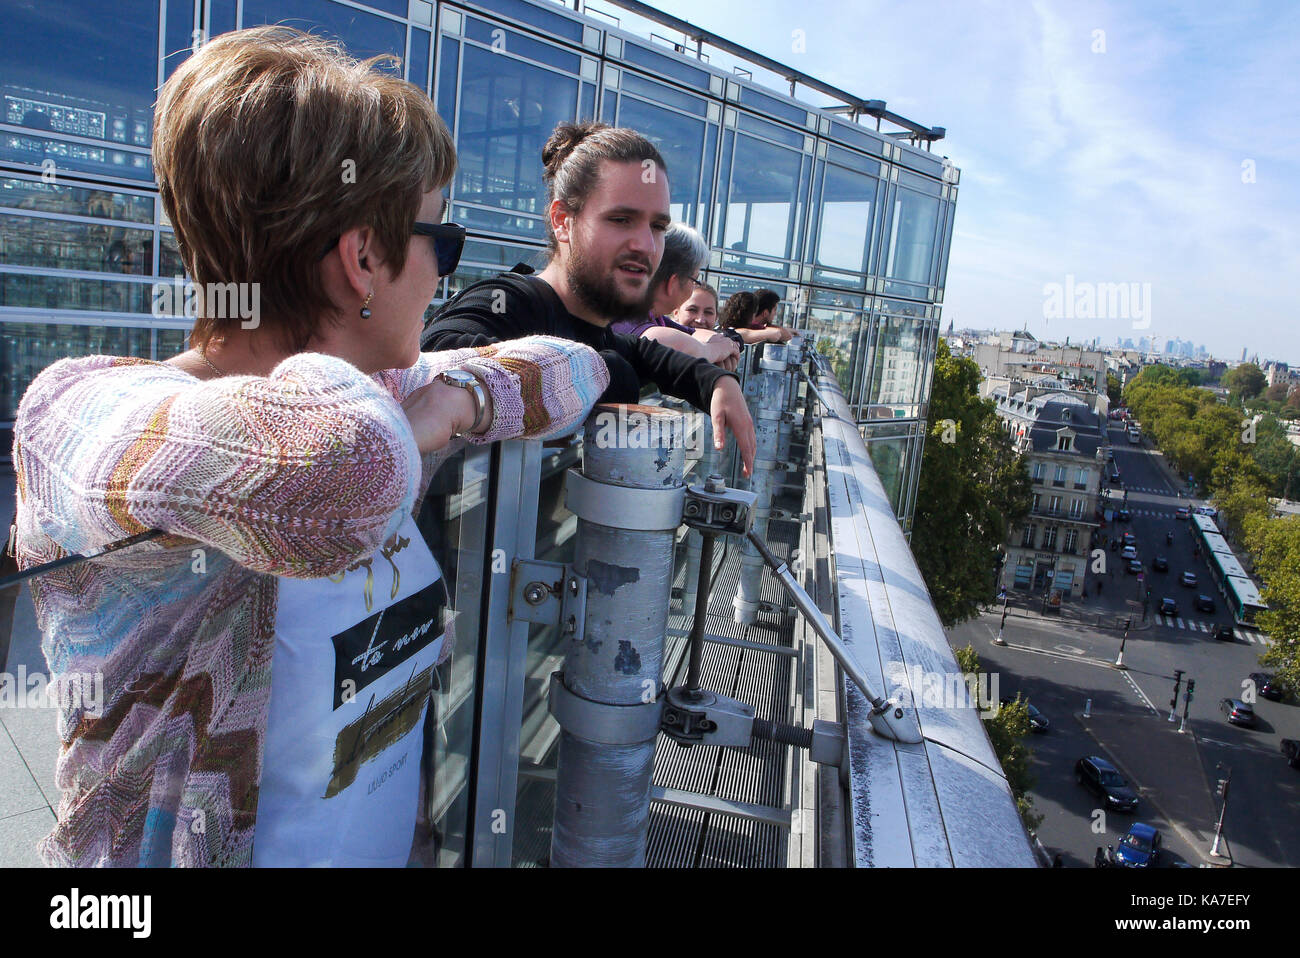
<point x="295" y="474"/>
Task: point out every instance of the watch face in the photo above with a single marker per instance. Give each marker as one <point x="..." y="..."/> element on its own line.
<point x="458" y="377"/>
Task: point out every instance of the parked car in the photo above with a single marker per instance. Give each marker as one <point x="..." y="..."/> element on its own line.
<point x="1205" y="603"/>
<point x="1123" y="516"/>
<point x="1134" y="567"/>
<point x="1114" y="478"/>
<point x="1189" y="579"/>
<point x="1238" y="712"/>
<point x="1210" y="511"/>
<point x="1168" y="607"/>
<point x="1129" y="552"/>
<point x="1160" y="564"/>
<point x="1140" y="847"/>
<point x="1224" y="633"/>
<point x="1037" y="720"/>
<point x="1102" y="779"/>
<point x="1129" y="539"/>
<point x="1267" y="685"/>
<point x="1291" y="749"/>
<point x="1182" y="512"/>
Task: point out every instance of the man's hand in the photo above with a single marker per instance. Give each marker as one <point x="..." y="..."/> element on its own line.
<point x="729" y="412"/>
<point x="721" y="351"/>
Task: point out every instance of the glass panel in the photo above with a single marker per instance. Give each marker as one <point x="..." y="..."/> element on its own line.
<point x="751" y="124"/>
<point x="397" y="8"/>
<point x="761" y="214"/>
<point x="844" y="232"/>
<point x="222" y="16"/>
<point x="179" y="41"/>
<point x="502" y="40"/>
<point x="69" y="157"/>
<point x="448" y="57"/>
<point x="771" y="106"/>
<point x="418" y="69"/>
<point x="662" y="94"/>
<point x="890" y="448"/>
<point x="72" y="72"/>
<point x="169" y="343"/>
<point x="363" y="34"/>
<point x="706" y="186"/>
<point x="62" y="292"/>
<point x="540" y="735"/>
<point x="453" y="520"/>
<point x="53" y="198"/>
<point x="529" y="13"/>
<point x="507" y="111"/>
<point x="27" y="348"/>
<point x="680" y="139"/>
<point x="911" y="237"/>
<point x="169" y="256"/>
<point x="856" y="135"/>
<point x="840" y="337"/>
<point x="665" y="66"/>
<point x="897" y="367"/>
<point x="60" y="244"/>
<point x="587" y="108"/>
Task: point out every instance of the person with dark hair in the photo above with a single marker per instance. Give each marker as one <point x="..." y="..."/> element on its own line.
<point x="685" y="253"/>
<point x="740" y="313"/>
<point x="607" y="214"/>
<point x="699" y="311"/>
<point x="233" y="687"/>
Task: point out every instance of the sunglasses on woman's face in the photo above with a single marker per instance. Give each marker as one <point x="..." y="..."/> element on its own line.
<point x="448" y="244"/>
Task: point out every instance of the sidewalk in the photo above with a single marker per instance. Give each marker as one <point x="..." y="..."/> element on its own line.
<point x="1149" y="751"/>
<point x="1091" y="613"/>
<point x="29" y="741"/>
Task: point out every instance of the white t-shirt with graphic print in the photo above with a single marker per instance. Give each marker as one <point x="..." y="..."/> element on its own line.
<point x="350" y="681"/>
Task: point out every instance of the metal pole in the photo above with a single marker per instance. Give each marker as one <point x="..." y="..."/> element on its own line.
<point x="1218" y="829"/>
<point x="1119" y="661"/>
<point x="694" y="538"/>
<point x="763" y="395"/>
<point x="602" y="791"/>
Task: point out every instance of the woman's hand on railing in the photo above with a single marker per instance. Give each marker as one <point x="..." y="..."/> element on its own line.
<point x="439" y="411"/>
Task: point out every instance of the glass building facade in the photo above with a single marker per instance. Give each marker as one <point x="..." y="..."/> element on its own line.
<point x="850" y="226"/>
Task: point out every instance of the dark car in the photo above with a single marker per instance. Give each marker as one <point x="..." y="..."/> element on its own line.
<point x="1291" y="749"/>
<point x="1134" y="566"/>
<point x="1189" y="579"/>
<point x="1238" y="712"/>
<point x="1129" y="539"/>
<point x="1102" y="779"/>
<point x="1160" y="564"/>
<point x="1267" y="685"/>
<point x="1140" y="848"/>
<point x="1123" y="516"/>
<point x="1182" y="512"/>
<point x="1114" y="478"/>
<point x="1204" y="603"/>
<point x="1037" y="720"/>
<point x="1168" y="607"/>
<point x="1224" y="633"/>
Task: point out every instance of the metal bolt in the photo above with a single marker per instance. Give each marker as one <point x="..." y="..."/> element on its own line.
<point x="714" y="483"/>
<point x="571" y="626"/>
<point x="573" y="586"/>
<point x="535" y="593"/>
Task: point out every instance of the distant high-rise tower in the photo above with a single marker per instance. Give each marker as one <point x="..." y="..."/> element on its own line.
<point x="1243" y="354"/>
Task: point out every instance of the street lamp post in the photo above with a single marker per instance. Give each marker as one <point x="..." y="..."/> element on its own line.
<point x="1119" y="661"/>
<point x="1173" y="702"/>
<point x="1187" y="700"/>
<point x="1218" y="829"/>
<point x="1001" y="625"/>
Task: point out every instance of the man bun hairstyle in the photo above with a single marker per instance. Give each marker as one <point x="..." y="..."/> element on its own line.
<point x="572" y="157"/>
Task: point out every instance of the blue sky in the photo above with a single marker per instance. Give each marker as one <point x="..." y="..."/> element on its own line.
<point x="1122" y="166"/>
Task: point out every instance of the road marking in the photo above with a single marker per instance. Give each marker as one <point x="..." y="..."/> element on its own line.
<point x="1181" y="625"/>
<point x="1241" y="635"/>
<point x="1215" y="741"/>
<point x="1263" y="640"/>
<point x="1072" y="650"/>
<point x="1142" y="695"/>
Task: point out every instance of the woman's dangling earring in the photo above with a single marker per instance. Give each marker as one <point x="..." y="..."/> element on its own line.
<point x="365" y="307"/>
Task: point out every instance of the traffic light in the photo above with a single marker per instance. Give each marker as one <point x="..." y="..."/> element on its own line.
<point x="1191" y="685"/>
<point x="1222" y="790"/>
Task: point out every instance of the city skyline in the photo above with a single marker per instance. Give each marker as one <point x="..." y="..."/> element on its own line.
<point x="1160" y="150"/>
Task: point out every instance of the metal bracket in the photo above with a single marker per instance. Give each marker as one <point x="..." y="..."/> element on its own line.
<point x="600" y="721"/>
<point x="707" y="718"/>
<point x="719" y="510"/>
<point x="548" y="593"/>
<point x="623" y="507"/>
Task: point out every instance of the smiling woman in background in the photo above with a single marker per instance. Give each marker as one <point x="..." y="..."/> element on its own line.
<point x="266" y="663"/>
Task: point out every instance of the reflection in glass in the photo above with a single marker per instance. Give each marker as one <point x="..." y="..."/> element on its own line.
<point x="54" y="198"/>
<point x="680" y="139"/>
<point x="27" y="348"/>
<point x="911" y="238"/>
<point x="844" y="228"/>
<point x="363" y="34"/>
<point x="507" y="111"/>
<point x="761" y="213"/>
<point x="61" y="244"/>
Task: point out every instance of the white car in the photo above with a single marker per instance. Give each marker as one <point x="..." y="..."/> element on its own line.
<point x="1210" y="511"/>
<point x="1129" y="552"/>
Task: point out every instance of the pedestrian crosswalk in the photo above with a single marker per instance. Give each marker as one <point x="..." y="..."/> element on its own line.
<point x="1196" y="625"/>
<point x="1163" y="490"/>
<point x="1155" y="513"/>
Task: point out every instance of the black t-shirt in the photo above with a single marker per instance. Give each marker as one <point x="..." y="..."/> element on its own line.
<point x="514" y="304"/>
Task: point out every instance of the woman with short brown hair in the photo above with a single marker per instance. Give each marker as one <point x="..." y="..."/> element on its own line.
<point x="265" y="686"/>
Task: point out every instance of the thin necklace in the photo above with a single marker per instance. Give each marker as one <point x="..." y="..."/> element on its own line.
<point x="211" y="365"/>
